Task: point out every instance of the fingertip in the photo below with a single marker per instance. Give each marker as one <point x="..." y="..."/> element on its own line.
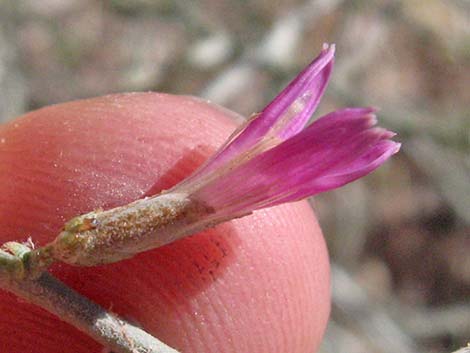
<point x="257" y="284"/>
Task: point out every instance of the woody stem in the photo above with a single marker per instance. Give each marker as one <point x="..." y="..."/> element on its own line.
<point x="118" y="335"/>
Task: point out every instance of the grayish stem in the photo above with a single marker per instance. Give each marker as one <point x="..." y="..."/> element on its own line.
<point x="114" y="333"/>
<point x="463" y="350"/>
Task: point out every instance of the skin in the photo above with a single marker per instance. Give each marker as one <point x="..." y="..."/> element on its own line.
<point x="257" y="284"/>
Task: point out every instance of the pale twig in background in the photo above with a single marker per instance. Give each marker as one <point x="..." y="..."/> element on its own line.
<point x="352" y="305"/>
<point x="446" y="170"/>
<point x="425" y="324"/>
<point x="463" y="350"/>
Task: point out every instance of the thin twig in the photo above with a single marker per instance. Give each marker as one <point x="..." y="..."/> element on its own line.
<point x="438" y="322"/>
<point x="463" y="350"/>
<point x="355" y="307"/>
<point x="51" y="294"/>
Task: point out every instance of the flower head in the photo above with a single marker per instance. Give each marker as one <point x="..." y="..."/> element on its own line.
<point x="272" y="159"/>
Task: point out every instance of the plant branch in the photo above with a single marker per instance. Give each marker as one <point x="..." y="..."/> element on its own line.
<point x="22" y="272"/>
<point x="121" y="337"/>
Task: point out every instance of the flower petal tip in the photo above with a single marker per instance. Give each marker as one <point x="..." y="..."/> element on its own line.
<point x="327" y="47"/>
<point x="371" y="119"/>
<point x="396" y="147"/>
<point x="384" y="134"/>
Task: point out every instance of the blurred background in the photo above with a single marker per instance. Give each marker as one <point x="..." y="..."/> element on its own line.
<point x="400" y="238"/>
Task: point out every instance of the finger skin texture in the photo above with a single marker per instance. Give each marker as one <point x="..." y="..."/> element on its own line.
<point x="257" y="284"/>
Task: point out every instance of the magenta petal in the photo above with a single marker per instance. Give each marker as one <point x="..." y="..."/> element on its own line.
<point x="336" y="149"/>
<point x="281" y="119"/>
<point x="345" y="173"/>
<point x="305" y="91"/>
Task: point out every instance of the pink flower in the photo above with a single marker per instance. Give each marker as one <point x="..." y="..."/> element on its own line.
<point x="272" y="159"/>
